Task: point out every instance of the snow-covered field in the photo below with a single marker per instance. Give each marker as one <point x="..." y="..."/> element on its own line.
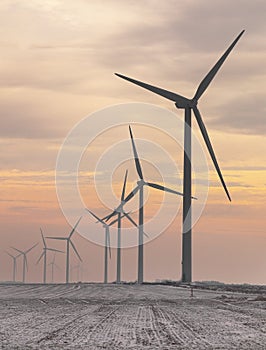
<point x="94" y="316"/>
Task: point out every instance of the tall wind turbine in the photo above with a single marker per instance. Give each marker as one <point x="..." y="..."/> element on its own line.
<point x="107" y="245"/>
<point x="188" y="105"/>
<point x="68" y="243"/>
<point x="44" y="256"/>
<point x="140" y="187"/>
<point x="14" y="258"/>
<point x="25" y="262"/>
<point x="119" y="211"/>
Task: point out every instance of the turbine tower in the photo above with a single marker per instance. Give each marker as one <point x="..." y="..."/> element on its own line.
<point x="119" y="211"/>
<point x="68" y="243"/>
<point x="44" y="256"/>
<point x="53" y="265"/>
<point x="14" y="258"/>
<point x="188" y="105"/>
<point x="140" y="185"/>
<point x="25" y="262"/>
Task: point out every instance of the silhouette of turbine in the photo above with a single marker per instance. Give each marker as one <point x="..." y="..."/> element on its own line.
<point x="44" y="256"/>
<point x="68" y="242"/>
<point x="14" y="258"/>
<point x="25" y="262"/>
<point x="107" y="246"/>
<point x="188" y="105"/>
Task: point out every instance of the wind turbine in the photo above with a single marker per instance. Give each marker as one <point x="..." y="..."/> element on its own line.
<point x="44" y="256"/>
<point x="14" y="257"/>
<point x="106" y="244"/>
<point x="140" y="187"/>
<point x="188" y="105"/>
<point x="25" y="262"/>
<point x="53" y="265"/>
<point x="68" y="242"/>
<point x="119" y="211"/>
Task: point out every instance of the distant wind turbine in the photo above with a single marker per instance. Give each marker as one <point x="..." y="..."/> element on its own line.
<point x="119" y="211"/>
<point x="107" y="245"/>
<point x="68" y="243"/>
<point x="44" y="256"/>
<point x="25" y="262"/>
<point x="188" y="105"/>
<point x="14" y="258"/>
<point x="140" y="185"/>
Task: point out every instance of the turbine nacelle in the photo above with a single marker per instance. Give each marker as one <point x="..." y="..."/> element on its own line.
<point x="141" y="182"/>
<point x="186" y="103"/>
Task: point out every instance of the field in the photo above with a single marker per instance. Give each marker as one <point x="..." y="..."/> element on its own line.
<point x="95" y="316"/>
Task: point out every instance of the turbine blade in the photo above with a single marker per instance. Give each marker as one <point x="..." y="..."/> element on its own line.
<point x="95" y="216"/>
<point x="75" y="250"/>
<point x="74" y="228"/>
<point x="55" y="250"/>
<point x="210" y="149"/>
<point x="108" y="241"/>
<point x="163" y="188"/>
<point x="44" y="243"/>
<point x="27" y="251"/>
<point x="130" y="219"/>
<point x="9" y="254"/>
<point x="124" y="187"/>
<point x="110" y="215"/>
<point x="136" y="157"/>
<point x="112" y="222"/>
<point x="128" y="197"/>
<point x="131" y="194"/>
<point x="164" y="93"/>
<point x="133" y="222"/>
<point x="209" y="77"/>
<point x="37" y="262"/>
<point x="20" y="251"/>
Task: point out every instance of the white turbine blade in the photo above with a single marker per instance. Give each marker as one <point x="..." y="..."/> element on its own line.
<point x="164" y="93"/>
<point x="210" y="149"/>
<point x="124" y="187"/>
<point x="136" y="157"/>
<point x="43" y="238"/>
<point x="131" y="194"/>
<point x="163" y="188"/>
<point x="37" y="262"/>
<point x="108" y="241"/>
<point x="95" y="216"/>
<point x="74" y="228"/>
<point x="75" y="250"/>
<point x="27" y="251"/>
<point x="209" y="77"/>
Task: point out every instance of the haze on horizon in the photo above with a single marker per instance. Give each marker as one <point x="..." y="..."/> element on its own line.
<point x="57" y="65"/>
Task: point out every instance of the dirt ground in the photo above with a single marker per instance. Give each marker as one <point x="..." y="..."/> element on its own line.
<point x="95" y="316"/>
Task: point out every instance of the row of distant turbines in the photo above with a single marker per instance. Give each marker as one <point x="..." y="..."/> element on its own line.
<point x="182" y="103"/>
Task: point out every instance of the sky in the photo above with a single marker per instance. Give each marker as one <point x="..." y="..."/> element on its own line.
<point x="57" y="66"/>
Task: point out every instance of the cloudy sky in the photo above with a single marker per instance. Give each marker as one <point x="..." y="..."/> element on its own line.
<point x="57" y="63"/>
